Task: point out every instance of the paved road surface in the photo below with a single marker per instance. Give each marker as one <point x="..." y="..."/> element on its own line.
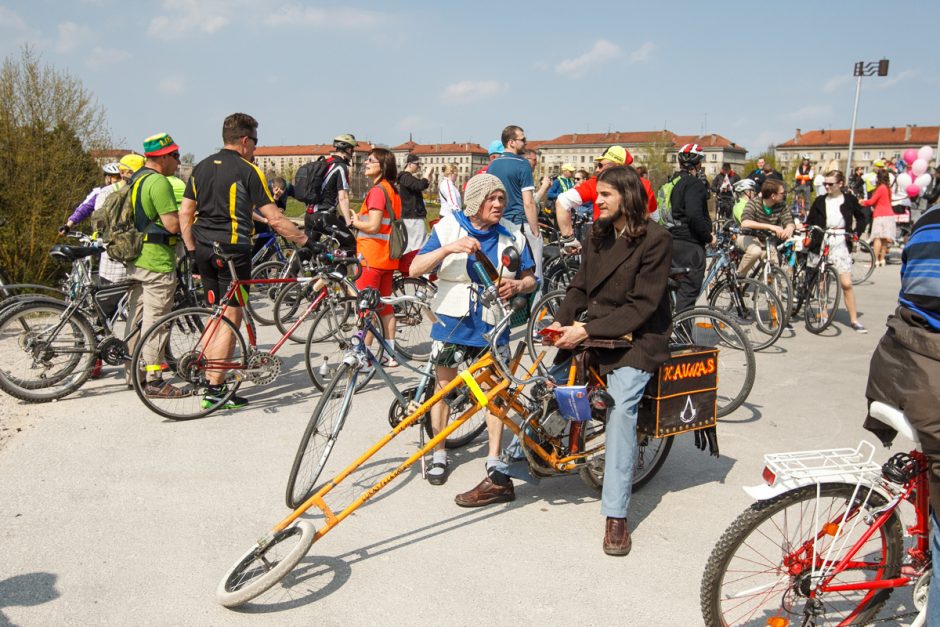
<point x="110" y="515"/>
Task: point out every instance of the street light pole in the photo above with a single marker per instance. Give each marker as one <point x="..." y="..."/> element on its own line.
<point x="879" y="68"/>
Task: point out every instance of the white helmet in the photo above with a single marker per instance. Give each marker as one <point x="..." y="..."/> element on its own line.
<point x="112" y="168"/>
<point x="690" y="155"/>
<point x="745" y="185"/>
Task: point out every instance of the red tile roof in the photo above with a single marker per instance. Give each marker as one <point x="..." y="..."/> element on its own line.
<point x="919" y="135"/>
<point x="441" y="149"/>
<point x="308" y="149"/>
<point x="711" y="140"/>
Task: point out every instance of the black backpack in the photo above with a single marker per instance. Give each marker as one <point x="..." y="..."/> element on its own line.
<point x="308" y="182"/>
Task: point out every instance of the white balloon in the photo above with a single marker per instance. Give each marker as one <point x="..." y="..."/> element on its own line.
<point x="922" y="181"/>
<point x="925" y="153"/>
<point x="904" y="180"/>
<point x="919" y="167"/>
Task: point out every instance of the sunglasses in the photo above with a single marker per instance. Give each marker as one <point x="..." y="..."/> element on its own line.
<point x="175" y="155"/>
<point x="578" y="178"/>
<point x="253" y="138"/>
<point x="827" y="184"/>
<point x="371" y="160"/>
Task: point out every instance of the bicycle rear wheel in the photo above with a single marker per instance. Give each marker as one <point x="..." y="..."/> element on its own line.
<point x="265" y="564"/>
<point x="320" y="435"/>
<point x="863" y="261"/>
<point x="754" y="306"/>
<point x="293" y="302"/>
<point x="543" y="315"/>
<point x="736" y="362"/>
<point x="177" y="359"/>
<point x="412" y="322"/>
<point x="763" y="566"/>
<point x="651" y="455"/>
<point x="262" y="296"/>
<point x="44" y="357"/>
<point x="823" y="299"/>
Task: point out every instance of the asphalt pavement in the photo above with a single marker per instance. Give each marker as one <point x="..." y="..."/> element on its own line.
<point x="110" y="515"/>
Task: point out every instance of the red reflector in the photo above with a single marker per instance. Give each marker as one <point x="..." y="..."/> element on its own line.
<point x="219" y="263"/>
<point x="210" y="296"/>
<point x="769" y="477"/>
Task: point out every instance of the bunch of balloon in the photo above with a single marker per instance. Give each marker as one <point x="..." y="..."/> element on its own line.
<point x="917" y="180"/>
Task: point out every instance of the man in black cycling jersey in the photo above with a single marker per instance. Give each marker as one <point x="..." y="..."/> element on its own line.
<point x="333" y="212"/>
<point x="222" y="193"/>
<point x="693" y="226"/>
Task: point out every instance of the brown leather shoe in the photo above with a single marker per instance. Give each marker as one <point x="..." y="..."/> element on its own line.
<point x="616" y="537"/>
<point x="486" y="493"/>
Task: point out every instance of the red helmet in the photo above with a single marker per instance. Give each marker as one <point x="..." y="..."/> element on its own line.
<point x="690" y="155"/>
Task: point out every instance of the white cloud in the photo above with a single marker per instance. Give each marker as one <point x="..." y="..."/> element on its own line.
<point x="884" y="83"/>
<point x="106" y="57"/>
<point x="472" y="91"/>
<point x="72" y="36"/>
<point x="836" y="82"/>
<point x="642" y="53"/>
<point x="14" y="30"/>
<point x="602" y="51"/>
<point x="809" y="112"/>
<point x="183" y="17"/>
<point x="298" y="15"/>
<point x="172" y="85"/>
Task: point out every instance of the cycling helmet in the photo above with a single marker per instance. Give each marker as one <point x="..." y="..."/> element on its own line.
<point x="745" y="185"/>
<point x="112" y="168"/>
<point x="346" y="141"/>
<point x="690" y="155"/>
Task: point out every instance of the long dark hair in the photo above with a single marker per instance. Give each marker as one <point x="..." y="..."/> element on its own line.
<point x="386" y="164"/>
<point x="626" y="181"/>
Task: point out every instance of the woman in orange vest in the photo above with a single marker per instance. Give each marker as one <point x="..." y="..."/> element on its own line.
<point x="372" y="241"/>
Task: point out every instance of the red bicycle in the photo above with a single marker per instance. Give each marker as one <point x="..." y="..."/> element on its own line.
<point x="196" y="347"/>
<point x="824" y="543"/>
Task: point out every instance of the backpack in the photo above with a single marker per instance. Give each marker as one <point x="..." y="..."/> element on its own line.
<point x="398" y="235"/>
<point x="308" y="182"/>
<point x="123" y="225"/>
<point x="664" y="201"/>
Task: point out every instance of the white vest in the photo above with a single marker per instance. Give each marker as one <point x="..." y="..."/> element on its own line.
<point x="453" y="282"/>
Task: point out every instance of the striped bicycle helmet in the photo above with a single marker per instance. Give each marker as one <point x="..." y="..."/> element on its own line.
<point x="690" y="155"/>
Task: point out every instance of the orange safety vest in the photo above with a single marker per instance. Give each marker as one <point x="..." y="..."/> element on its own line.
<point x="374" y="246"/>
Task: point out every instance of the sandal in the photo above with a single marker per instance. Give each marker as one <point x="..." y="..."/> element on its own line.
<point x="437" y="478"/>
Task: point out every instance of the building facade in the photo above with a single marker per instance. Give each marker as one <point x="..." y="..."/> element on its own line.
<point x="284" y="161"/>
<point x="467" y="157"/>
<point x="831" y="147"/>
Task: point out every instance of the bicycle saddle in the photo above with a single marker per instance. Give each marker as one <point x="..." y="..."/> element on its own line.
<point x="71" y="253"/>
<point x="224" y="256"/>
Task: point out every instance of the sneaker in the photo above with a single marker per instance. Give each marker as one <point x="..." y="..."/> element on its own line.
<point x="162" y="389"/>
<point x="858" y="328"/>
<point x="388" y="361"/>
<point x="214" y="396"/>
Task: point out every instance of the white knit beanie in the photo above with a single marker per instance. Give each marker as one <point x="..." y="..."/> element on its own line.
<point x="478" y="188"/>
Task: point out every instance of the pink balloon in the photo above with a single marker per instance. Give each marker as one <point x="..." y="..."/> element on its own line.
<point x="918" y="167"/>
<point x="905" y="180"/>
<point x="910" y="156"/>
<point x="925" y="153"/>
<point x="913" y="191"/>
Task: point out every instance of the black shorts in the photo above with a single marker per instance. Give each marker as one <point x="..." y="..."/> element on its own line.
<point x="215" y="272"/>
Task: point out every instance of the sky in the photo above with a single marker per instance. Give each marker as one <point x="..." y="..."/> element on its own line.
<point x="449" y="71"/>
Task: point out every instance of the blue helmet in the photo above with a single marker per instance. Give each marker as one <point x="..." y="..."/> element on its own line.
<point x="496" y="147"/>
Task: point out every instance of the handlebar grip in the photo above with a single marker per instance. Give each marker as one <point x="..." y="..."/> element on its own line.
<point x="482" y="274"/>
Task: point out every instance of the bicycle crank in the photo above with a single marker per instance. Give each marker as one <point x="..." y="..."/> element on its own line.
<point x="263" y="368"/>
<point x="113" y="351"/>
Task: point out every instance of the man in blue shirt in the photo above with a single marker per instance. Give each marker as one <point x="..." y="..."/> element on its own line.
<point x="515" y="173"/>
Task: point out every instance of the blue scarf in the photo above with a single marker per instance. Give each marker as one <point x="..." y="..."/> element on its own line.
<point x="464" y="222"/>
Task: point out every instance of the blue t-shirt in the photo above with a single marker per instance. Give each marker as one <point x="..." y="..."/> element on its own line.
<point x="516" y="175"/>
<point x="468" y="330"/>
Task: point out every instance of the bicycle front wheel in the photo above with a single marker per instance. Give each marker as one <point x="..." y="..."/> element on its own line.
<point x="412" y="322"/>
<point x="44" y="355"/>
<point x="777" y="559"/>
<point x="170" y="368"/>
<point x="320" y="435"/>
<point x="863" y="261"/>
<point x="823" y="300"/>
<point x="754" y="306"/>
<point x="330" y="337"/>
<point x="736" y="362"/>
<point x="265" y="564"/>
<point x="542" y="315"/>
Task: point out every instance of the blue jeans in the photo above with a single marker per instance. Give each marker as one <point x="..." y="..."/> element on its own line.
<point x="626" y="386"/>
<point x="933" y="595"/>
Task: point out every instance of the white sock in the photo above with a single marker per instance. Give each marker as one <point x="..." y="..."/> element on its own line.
<point x="439" y="456"/>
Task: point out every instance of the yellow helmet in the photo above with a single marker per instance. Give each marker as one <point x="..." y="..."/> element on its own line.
<point x="132" y="162"/>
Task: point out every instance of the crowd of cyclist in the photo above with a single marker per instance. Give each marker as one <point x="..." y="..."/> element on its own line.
<point x="228" y="200"/>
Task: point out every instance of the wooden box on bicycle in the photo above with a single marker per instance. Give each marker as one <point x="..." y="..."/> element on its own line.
<point x="683" y="394"/>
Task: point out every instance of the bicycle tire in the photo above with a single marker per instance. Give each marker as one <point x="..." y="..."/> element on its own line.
<point x="413" y="325"/>
<point x="648" y="463"/>
<point x="325" y="357"/>
<point x="758" y="310"/>
<point x="736" y="361"/>
<point x="258" y="570"/>
<point x="863" y="262"/>
<point x="822" y="301"/>
<point x="458" y="404"/>
<point x="293" y="301"/>
<point x="74" y="340"/>
<point x="749" y="535"/>
<point x="559" y="273"/>
<point x="183" y="345"/>
<point x="543" y="314"/>
<point x="779" y="281"/>
<point x="262" y="296"/>
<point x="318" y="439"/>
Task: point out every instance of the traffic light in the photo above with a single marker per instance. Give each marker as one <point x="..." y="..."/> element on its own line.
<point x="883" y="67"/>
